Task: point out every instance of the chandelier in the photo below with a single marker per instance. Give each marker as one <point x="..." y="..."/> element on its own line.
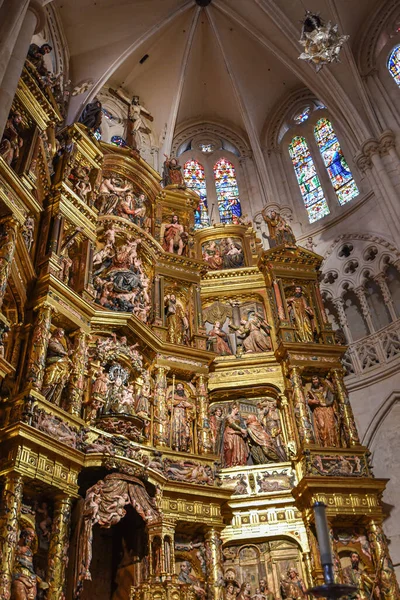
<point x="322" y="42"/>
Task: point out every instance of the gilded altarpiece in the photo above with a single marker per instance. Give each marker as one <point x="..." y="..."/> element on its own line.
<point x="172" y="401"/>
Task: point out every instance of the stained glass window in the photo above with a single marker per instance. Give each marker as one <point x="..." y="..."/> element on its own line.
<point x="227" y="191"/>
<point x="119" y="141"/>
<point x="303" y="116"/>
<point x="193" y="173"/>
<point x="337" y="167"/>
<point x="107" y="114"/>
<point x="308" y="180"/>
<point x="394" y="64"/>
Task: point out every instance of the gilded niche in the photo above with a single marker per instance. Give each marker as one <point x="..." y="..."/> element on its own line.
<point x="237" y="327"/>
<point x="248" y="432"/>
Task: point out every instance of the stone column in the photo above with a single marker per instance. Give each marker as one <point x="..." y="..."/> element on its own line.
<point x="360" y="293"/>
<point x="32" y="23"/>
<point x="204" y="445"/>
<point x="39" y="343"/>
<point x="58" y="548"/>
<point x="12" y="14"/>
<point x="387" y="296"/>
<point x="77" y="379"/>
<point x="387" y="582"/>
<point x="160" y="434"/>
<point x="301" y="412"/>
<point x="9" y="229"/>
<point x="339" y="305"/>
<point x="9" y="514"/>
<point x="214" y="564"/>
<point x="345" y="408"/>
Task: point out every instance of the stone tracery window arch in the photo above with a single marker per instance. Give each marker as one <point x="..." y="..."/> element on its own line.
<point x="338" y="170"/>
<point x="308" y="180"/>
<point x="195" y="179"/>
<point x="227" y="191"/>
<point x="393" y="64"/>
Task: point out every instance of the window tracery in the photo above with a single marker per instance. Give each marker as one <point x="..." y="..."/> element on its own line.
<point x="308" y="180"/>
<point x="227" y="191"/>
<point x="195" y="179"/>
<point x="338" y="170"/>
<point x="394" y="64"/>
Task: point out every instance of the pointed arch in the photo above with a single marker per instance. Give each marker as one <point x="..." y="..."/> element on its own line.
<point x="195" y="179"/>
<point x="308" y="180"/>
<point x="227" y="191"/>
<point x="394" y="64"/>
<point x="338" y="170"/>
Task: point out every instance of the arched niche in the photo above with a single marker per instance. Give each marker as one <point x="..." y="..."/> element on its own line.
<point x="355" y="318"/>
<point x="264" y="561"/>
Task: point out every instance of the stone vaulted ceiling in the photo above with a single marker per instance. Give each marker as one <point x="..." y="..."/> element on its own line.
<point x="230" y="62"/>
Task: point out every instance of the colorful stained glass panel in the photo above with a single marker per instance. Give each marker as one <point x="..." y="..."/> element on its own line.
<point x="195" y="179"/>
<point x="227" y="191"/>
<point x="335" y="163"/>
<point x="119" y="141"/>
<point x="394" y="64"/>
<point x="308" y="180"/>
<point x="303" y="116"/>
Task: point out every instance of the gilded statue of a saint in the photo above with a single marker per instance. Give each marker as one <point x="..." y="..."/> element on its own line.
<point x="321" y="400"/>
<point x="301" y="315"/>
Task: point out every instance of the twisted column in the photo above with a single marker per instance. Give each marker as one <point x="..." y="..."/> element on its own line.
<point x="339" y="305"/>
<point x="360" y="293"/>
<point x="387" y="296"/>
<point x="9" y="514"/>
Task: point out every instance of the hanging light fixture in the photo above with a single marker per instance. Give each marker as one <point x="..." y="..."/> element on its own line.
<point x="322" y="41"/>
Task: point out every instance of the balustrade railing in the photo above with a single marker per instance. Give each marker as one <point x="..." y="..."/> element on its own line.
<point x="373" y="351"/>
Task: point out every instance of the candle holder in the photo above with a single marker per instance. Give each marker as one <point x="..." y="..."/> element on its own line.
<point x="329" y="589"/>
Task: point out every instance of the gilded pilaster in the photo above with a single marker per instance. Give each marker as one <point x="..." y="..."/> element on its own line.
<point x="77" y="379"/>
<point x="346" y="410"/>
<point x="9" y="230"/>
<point x="9" y="514"/>
<point x="203" y="425"/>
<point x="289" y="424"/>
<point x="58" y="548"/>
<point x="304" y="426"/>
<point x="160" y="407"/>
<point x="214" y="564"/>
<point x="40" y="339"/>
